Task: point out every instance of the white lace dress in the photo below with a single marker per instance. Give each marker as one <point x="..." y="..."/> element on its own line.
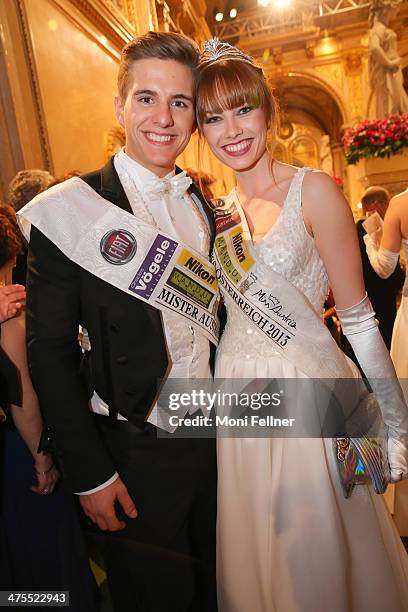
<point x="287" y="539"/>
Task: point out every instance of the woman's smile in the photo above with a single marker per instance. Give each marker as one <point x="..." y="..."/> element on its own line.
<point x="238" y="149"/>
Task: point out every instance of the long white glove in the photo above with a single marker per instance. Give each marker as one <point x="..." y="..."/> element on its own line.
<point x="361" y="328"/>
<point x="382" y="260"/>
<point x="398" y="459"/>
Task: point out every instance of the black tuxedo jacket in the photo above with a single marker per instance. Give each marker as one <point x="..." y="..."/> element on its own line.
<point x="128" y="353"/>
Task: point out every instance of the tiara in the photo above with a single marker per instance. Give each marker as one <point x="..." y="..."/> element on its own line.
<point x="214" y="50"/>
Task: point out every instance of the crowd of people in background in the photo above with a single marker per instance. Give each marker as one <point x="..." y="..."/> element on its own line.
<point x="41" y="542"/>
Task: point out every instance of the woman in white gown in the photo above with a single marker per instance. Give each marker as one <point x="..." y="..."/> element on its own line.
<point x="288" y="540"/>
<point x="383" y="252"/>
<point x="384" y="257"/>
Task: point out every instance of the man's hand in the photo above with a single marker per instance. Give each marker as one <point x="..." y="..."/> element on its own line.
<point x="100" y="508"/>
<point x="10" y="304"/>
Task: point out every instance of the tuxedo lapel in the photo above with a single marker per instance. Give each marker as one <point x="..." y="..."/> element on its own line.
<point x="112" y="189"/>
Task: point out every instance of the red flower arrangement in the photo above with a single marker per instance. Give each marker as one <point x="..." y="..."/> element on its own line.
<point x="376" y="138"/>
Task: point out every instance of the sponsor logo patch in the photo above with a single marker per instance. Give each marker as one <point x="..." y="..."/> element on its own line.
<point x="240" y="249"/>
<point x="225" y="216"/>
<point x="198" y="268"/>
<point x="118" y="247"/>
<point x="190" y="288"/>
<point x="153" y="266"/>
<point x="227" y="265"/>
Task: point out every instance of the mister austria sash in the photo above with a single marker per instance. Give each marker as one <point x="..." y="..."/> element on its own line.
<point x="126" y="252"/>
<point x="272" y="304"/>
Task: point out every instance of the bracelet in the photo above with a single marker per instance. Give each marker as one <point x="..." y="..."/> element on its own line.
<point x="46" y="471"/>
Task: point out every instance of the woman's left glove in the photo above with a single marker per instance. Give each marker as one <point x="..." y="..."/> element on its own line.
<point x="361" y="328"/>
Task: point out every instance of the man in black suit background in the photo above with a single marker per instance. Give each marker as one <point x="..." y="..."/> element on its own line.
<point x="155" y="496"/>
<point x="381" y="292"/>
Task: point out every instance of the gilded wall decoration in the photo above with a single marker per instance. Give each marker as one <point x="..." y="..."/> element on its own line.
<point x="111" y="22"/>
<point x="114" y="140"/>
<point x="279" y="153"/>
<point x="163" y="16"/>
<point x="286" y="130"/>
<point x="76" y="88"/>
<point x="36" y="88"/>
<point x="297" y="144"/>
<point x="354" y="61"/>
<point x="310" y="46"/>
<point x="333" y="72"/>
<point x="302" y="130"/>
<point x="304" y="151"/>
<point x="355" y="96"/>
<point x="130" y="12"/>
<point x="117" y="4"/>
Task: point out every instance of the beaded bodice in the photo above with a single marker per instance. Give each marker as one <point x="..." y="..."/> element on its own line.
<point x="290" y="251"/>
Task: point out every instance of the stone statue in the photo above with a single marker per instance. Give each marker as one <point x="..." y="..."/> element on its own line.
<point x="384" y="65"/>
<point x="325" y="154"/>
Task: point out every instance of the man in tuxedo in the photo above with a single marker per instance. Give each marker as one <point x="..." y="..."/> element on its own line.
<point x="382" y="292"/>
<point x="154" y="497"/>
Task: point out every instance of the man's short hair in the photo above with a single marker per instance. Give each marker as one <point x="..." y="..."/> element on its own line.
<point x="160" y="45"/>
<point x="375" y="194"/>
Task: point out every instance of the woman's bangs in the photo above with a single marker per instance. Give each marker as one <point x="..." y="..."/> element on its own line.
<point x="226" y="89"/>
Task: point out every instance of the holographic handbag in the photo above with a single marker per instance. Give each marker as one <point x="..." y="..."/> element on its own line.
<point x="362" y="458"/>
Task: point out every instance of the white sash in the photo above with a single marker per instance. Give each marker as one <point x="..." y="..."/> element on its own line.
<point x="126" y="252"/>
<point x="271" y="303"/>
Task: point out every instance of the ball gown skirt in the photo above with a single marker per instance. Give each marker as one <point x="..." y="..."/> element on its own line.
<point x="288" y="540"/>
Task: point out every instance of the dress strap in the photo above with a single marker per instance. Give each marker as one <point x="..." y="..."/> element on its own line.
<point x="294" y="197"/>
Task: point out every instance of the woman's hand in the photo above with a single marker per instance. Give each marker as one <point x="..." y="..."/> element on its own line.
<point x="398" y="458"/>
<point x="47" y="475"/>
<point x="11" y="297"/>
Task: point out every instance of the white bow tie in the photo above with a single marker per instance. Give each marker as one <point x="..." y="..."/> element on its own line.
<point x="175" y="186"/>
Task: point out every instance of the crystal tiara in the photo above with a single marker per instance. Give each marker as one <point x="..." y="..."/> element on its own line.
<point x="214" y="50"/>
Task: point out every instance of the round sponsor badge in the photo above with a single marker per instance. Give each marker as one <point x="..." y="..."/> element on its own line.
<point x="118" y="247"/>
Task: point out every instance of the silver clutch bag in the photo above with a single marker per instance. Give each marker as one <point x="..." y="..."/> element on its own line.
<point x="362" y="457"/>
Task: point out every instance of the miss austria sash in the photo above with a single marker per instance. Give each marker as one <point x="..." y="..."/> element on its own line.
<point x="271" y="303"/>
<point x="126" y="252"/>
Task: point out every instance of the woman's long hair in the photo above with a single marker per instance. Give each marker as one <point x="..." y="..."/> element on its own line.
<point x="11" y="241"/>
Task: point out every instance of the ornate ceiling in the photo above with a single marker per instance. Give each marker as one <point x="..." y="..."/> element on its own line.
<point x="253" y="20"/>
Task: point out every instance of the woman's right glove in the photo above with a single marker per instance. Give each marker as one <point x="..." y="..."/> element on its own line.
<point x="361" y="328"/>
<point x="382" y="260"/>
<point x="398" y="458"/>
